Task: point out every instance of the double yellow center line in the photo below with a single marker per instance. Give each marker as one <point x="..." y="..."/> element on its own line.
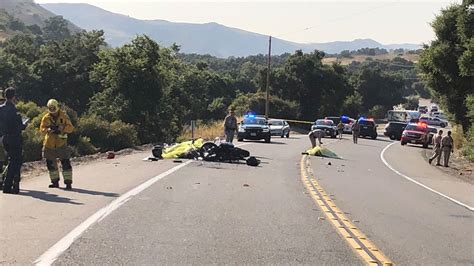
<point x="369" y="253"/>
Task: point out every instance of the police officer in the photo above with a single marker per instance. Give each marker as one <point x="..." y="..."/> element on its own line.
<point x="230" y="126"/>
<point x="12" y="142"/>
<point x="340" y="129"/>
<point x="56" y="125"/>
<point x="447" y="148"/>
<point x="437" y="148"/>
<point x="355" y="131"/>
<point x="315" y="134"/>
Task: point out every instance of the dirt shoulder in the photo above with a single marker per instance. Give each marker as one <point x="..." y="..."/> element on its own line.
<point x="32" y="169"/>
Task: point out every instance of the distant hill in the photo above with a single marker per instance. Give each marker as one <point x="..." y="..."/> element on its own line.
<point x="208" y="38"/>
<point x="26" y="11"/>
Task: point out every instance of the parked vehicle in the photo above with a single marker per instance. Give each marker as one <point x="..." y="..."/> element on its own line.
<point x="347" y="121"/>
<point x="416" y="134"/>
<point x="423" y="109"/>
<point x="254" y="128"/>
<point x="279" y="128"/>
<point x="327" y="126"/>
<point x="434" y="121"/>
<point x="402" y="115"/>
<point x="394" y="130"/>
<point x="368" y="128"/>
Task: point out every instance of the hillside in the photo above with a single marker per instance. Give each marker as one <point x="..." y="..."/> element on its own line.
<point x="208" y="38"/>
<point x="25" y="11"/>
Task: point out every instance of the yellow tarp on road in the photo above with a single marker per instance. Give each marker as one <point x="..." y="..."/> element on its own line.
<point x="180" y="149"/>
<point x="322" y="152"/>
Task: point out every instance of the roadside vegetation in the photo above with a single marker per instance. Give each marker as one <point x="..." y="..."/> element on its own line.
<point x="447" y="67"/>
<point x="146" y="93"/>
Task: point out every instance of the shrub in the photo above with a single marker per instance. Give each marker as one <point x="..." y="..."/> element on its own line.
<point x="84" y="146"/>
<point x="29" y="109"/>
<point x="468" y="148"/>
<point x="32" y="144"/>
<point x="255" y="102"/>
<point x="378" y="111"/>
<point x="105" y="135"/>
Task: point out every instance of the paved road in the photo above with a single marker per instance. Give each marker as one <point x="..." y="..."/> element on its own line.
<point x="224" y="213"/>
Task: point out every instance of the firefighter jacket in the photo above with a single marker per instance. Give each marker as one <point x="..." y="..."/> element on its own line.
<point x="60" y="126"/>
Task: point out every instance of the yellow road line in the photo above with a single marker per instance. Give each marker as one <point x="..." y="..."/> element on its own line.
<point x="367" y="251"/>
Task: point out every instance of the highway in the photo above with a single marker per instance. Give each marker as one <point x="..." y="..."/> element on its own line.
<point x="381" y="203"/>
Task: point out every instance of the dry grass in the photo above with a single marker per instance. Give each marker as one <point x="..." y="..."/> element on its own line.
<point x="206" y="131"/>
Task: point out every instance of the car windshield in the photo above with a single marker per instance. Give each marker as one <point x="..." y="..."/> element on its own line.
<point x="254" y="121"/>
<point x="276" y="122"/>
<point x="324" y="123"/>
<point x="416" y="128"/>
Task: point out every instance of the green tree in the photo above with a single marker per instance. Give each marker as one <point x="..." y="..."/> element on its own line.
<point x="136" y="81"/>
<point x="447" y="63"/>
<point x="378" y="88"/>
<point x="56" y="29"/>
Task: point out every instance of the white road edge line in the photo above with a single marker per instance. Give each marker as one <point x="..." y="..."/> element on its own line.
<point x="55" y="251"/>
<point x="418" y="183"/>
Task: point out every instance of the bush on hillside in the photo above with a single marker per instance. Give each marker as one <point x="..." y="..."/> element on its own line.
<point x="255" y="102"/>
<point x="378" y="111"/>
<point x="107" y="136"/>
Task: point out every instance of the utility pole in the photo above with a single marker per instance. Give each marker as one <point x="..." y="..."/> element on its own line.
<point x="268" y="75"/>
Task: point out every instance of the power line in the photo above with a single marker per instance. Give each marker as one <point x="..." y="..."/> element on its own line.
<point x="337" y="19"/>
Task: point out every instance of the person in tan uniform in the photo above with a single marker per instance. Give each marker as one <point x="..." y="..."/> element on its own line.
<point x="447" y="148"/>
<point x="437" y="148"/>
<point x="230" y="126"/>
<point x="315" y="134"/>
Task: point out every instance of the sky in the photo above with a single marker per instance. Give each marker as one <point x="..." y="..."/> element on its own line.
<point x="385" y="21"/>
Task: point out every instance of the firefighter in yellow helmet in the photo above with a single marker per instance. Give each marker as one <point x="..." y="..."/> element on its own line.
<point x="56" y="125"/>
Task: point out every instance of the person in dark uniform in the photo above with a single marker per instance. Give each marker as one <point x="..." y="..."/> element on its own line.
<point x="12" y="142"/>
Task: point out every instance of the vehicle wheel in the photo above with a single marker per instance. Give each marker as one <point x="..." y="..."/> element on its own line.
<point x="374" y="137"/>
<point x="240" y="140"/>
<point x="442" y="125"/>
<point x="288" y="134"/>
<point x="282" y="136"/>
<point x="333" y="136"/>
<point x="425" y="145"/>
<point x="392" y="137"/>
<point x="403" y="143"/>
<point x="267" y="140"/>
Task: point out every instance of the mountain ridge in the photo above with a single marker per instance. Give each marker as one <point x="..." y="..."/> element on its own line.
<point x="219" y="40"/>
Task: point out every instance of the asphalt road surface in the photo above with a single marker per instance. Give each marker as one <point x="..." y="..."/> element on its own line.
<point x="216" y="213"/>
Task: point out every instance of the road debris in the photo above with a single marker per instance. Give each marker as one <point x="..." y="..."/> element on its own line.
<point x="246" y="185"/>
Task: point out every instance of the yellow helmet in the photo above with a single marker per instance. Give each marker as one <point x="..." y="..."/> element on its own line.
<point x="53" y="106"/>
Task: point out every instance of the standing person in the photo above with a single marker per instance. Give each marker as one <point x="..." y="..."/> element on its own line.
<point x="12" y="141"/>
<point x="447" y="148"/>
<point x="56" y="125"/>
<point x="340" y="129"/>
<point x="355" y="131"/>
<point x="315" y="134"/>
<point x="230" y="126"/>
<point x="437" y="148"/>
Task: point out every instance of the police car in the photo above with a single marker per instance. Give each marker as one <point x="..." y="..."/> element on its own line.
<point x="254" y="128"/>
<point x="368" y="128"/>
<point x="416" y="133"/>
<point x="325" y="125"/>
